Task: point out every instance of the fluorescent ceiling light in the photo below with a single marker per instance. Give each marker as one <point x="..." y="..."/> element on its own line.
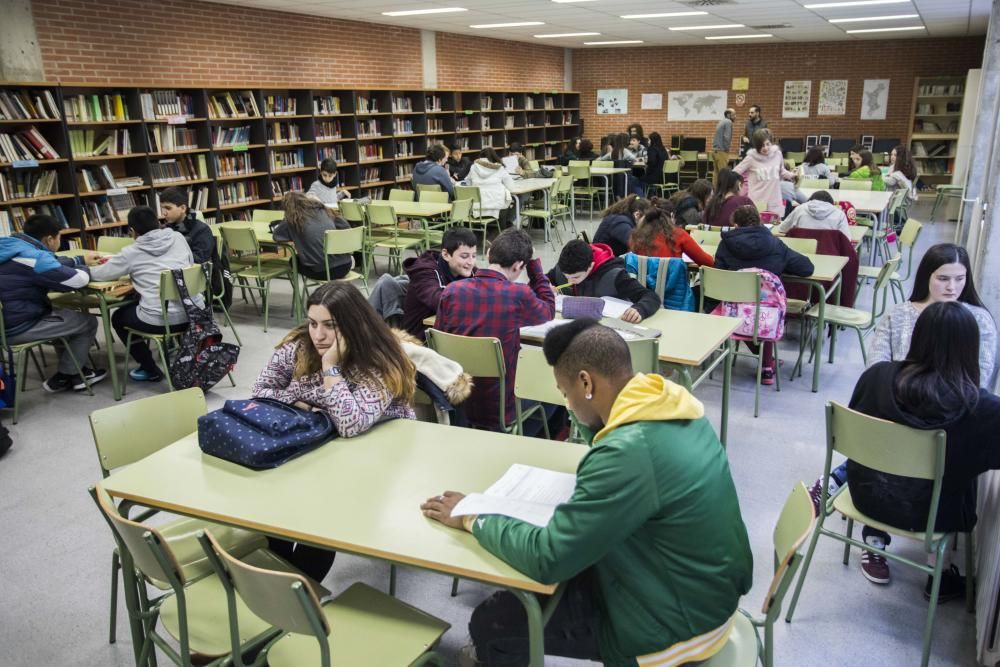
<point x="862" y="3"/>
<point x="663" y="16"/>
<point x="757" y="36"/>
<point x="912" y="27"/>
<point x="565" y="1"/>
<point x="414" y="12"/>
<point x="506" y="25"/>
<point x="568" y="34"/>
<point x="710" y="27"/>
<point x="620" y="41"/>
<point x="876" y="18"/>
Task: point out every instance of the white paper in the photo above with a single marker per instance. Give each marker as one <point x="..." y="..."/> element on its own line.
<point x="832" y="97"/>
<point x="524" y="492"/>
<point x="795" y="103"/>
<point x="652" y="101"/>
<point x="539" y="330"/>
<point x="696" y="105"/>
<point x="510" y="163"/>
<point x="612" y="101"/>
<point x="874" y="99"/>
<point x="615" y="307"/>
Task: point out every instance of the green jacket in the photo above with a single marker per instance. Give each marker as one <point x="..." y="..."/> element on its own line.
<point x="655" y="514"/>
<point x="866" y="174"/>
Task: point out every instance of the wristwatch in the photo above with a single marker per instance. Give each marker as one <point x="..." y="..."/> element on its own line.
<point x="332" y="371"/>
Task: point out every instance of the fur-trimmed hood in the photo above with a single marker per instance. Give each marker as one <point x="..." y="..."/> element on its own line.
<point x="443" y="372"/>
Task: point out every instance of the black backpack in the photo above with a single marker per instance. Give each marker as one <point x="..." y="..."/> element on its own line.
<point x="202" y="359"/>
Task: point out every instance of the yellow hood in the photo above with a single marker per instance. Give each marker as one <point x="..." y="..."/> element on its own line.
<point x="651" y="398"/>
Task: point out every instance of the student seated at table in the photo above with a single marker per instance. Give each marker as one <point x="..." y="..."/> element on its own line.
<point x="29" y="270"/>
<point x="656" y="155"/>
<point x="458" y="165"/>
<point x="587" y="150"/>
<point x="523" y="165"/>
<point x="155" y="250"/>
<point x="432" y="170"/>
<point x="863" y="168"/>
<point x="637" y="149"/>
<point x="819" y="212"/>
<point x="815" y="166"/>
<point x="651" y="546"/>
<point x="902" y="176"/>
<point x="689" y="205"/>
<point x="586" y="269"/>
<point x="431" y="272"/>
<point x="346" y="362"/>
<point x="634" y="131"/>
<point x="493" y="180"/>
<point x="571" y="153"/>
<point x="752" y="245"/>
<point x="617" y="150"/>
<point x="327" y="187"/>
<point x="177" y="215"/>
<point x="306" y="223"/>
<point x="725" y="199"/>
<point x="658" y="236"/>
<point x="619" y="221"/>
<point x="491" y="304"/>
<point x="937" y="385"/>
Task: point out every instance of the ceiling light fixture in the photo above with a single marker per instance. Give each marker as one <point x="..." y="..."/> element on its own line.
<point x="911" y="27"/>
<point x="414" y="12"/>
<point x="505" y="25"/>
<point x="567" y="34"/>
<point x="620" y="41"/>
<point x="566" y="1"/>
<point x="876" y="18"/>
<point x="757" y="36"/>
<point x="863" y="3"/>
<point x="663" y="16"/>
<point x="710" y="27"/>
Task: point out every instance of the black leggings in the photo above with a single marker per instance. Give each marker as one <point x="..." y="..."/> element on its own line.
<point x="126" y="318"/>
<point x="314" y="562"/>
<point x="336" y="272"/>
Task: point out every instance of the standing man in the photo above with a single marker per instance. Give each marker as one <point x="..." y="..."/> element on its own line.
<point x="755" y="121"/>
<point x="723" y="140"/>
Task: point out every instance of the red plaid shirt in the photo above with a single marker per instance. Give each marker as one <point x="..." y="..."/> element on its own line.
<point x="490" y="306"/>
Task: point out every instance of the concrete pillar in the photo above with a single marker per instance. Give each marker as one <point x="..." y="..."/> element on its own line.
<point x="567" y="69"/>
<point x="428" y="55"/>
<point x="20" y="57"/>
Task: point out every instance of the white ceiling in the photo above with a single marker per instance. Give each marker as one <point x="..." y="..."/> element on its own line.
<point x="940" y="18"/>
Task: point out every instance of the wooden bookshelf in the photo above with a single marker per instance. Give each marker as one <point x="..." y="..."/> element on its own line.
<point x="935" y="126"/>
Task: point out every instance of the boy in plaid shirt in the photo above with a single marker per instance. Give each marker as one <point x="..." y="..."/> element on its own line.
<point x="491" y="305"/>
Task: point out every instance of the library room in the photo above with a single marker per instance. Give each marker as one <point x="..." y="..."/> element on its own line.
<point x="553" y="333"/>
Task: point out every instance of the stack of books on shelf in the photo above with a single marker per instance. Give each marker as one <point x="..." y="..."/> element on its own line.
<point x="27" y="144"/>
<point x="328" y="129"/>
<point x="280" y="105"/>
<point x="26" y="105"/>
<point x="486" y="104"/>
<point x="326" y="105"/>
<point x="550" y="102"/>
<point x="435" y="125"/>
<point x="404" y="171"/>
<point x="291" y="159"/>
<point x="100" y="211"/>
<point x="167" y="139"/>
<point x="283" y="133"/>
<point x="529" y="103"/>
<point x="370" y="152"/>
<point x="370" y="175"/>
<point x="231" y="136"/>
<point x="197" y="198"/>
<point x="6" y="226"/>
<point x="942" y="89"/>
<point x="240" y="104"/>
<point x="402" y="104"/>
<point x="376" y="193"/>
<point x="484" y="122"/>
<point x="233" y="165"/>
<point x="160" y="104"/>
<point x="369" y="128"/>
<point x="432" y="102"/>
<point x="508" y="104"/>
<point x="179" y="169"/>
<point x="335" y="153"/>
<point x="405" y="148"/>
<point x="508" y="122"/>
<point x="285" y="184"/>
<point x="25" y="184"/>
<point x="238" y="192"/>
<point x="402" y="126"/>
<point x="95" y="108"/>
<point x="94" y="179"/>
<point x="463" y="143"/>
<point x="488" y="141"/>
<point x="367" y="105"/>
<point x="88" y="143"/>
<point x="18" y="214"/>
<point x="567" y="117"/>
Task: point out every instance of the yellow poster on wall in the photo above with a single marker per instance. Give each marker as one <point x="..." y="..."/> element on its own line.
<point x="741" y="83"/>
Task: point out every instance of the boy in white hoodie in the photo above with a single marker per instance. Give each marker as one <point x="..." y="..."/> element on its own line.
<point x="819" y="212"/>
<point x="155" y="250"/>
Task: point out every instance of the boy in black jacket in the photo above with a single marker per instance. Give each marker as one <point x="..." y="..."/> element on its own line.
<point x="593" y="270"/>
<point x="175" y="212"/>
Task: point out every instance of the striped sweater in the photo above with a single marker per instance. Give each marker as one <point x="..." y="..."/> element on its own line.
<point x="354" y="405"/>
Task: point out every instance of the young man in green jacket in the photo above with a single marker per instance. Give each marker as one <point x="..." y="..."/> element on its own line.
<point x="651" y="544"/>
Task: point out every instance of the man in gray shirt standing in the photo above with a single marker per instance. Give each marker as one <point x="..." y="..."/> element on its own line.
<point x="755" y="121"/>
<point x="723" y="140"/>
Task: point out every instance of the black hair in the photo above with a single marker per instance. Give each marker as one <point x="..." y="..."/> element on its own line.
<point x="701" y="190"/>
<point x="435" y="152"/>
<point x="940" y="376"/>
<point x="143" y="220"/>
<point x="175" y="196"/>
<point x="760" y="112"/>
<point x="329" y="165"/>
<point x="40" y="225"/>
<point x="454" y="146"/>
<point x="727" y="181"/>
<point x="814" y="156"/>
<point x="746" y="216"/>
<point x="586" y="146"/>
<point x="515" y="147"/>
<point x="935" y="257"/>
<point x="489" y="154"/>
<point x="656" y="141"/>
<point x="458" y="236"/>
<point x="638" y="131"/>
<point x="576" y="256"/>
<point x="512" y="245"/>
<point x="821" y="195"/>
<point x="587" y="345"/>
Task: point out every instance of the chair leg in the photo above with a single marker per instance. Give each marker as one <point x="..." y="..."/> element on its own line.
<point x="454" y="586"/>
<point x="115" y="566"/>
<point x="864" y="353"/>
<point x="229" y="322"/>
<point x="392" y="580"/>
<point x="166" y="366"/>
<point x="266" y="298"/>
<point x="850" y="535"/>
<point x="76" y="364"/>
<point x="777" y="365"/>
<point x="756" y="391"/>
<point x="970" y="574"/>
<point x="805" y="568"/>
<point x="932" y="605"/>
<point x="21" y="364"/>
<point x="128" y="346"/>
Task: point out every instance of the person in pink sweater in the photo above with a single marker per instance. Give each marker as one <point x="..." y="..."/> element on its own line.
<point x="763" y="169"/>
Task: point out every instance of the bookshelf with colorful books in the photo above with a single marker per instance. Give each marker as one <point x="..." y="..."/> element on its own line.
<point x="936" y="125"/>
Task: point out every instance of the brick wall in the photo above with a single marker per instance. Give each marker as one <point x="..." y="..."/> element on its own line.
<point x="465" y="61"/>
<point x="768" y="66"/>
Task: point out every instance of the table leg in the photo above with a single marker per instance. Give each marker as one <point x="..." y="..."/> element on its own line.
<point x="879" y="222"/>
<point x="536" y="627"/>
<point x="820" y="334"/>
<point x="517" y="212"/>
<point x="131" y="584"/>
<point x="109" y="343"/>
<point x="545" y="199"/>
<point x="833" y="330"/>
<point x="727" y="377"/>
<point x="607" y="188"/>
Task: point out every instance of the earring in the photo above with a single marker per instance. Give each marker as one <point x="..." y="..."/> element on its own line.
<point x="589" y="396"/>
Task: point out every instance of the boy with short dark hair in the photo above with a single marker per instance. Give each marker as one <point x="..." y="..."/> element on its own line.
<point x="492" y="305"/>
<point x="458" y="165"/>
<point x="326" y="188"/>
<point x="431" y="171"/>
<point x="432" y="271"/>
<point x="523" y="165"/>
<point x="179" y="216"/>
<point x="593" y="270"/>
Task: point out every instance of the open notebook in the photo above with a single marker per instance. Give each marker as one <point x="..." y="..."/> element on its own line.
<point x="524" y="492"/>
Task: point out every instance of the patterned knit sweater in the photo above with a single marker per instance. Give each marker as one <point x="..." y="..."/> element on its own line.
<point x="354" y="405"/>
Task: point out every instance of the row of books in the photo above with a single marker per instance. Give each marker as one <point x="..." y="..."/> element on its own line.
<point x="326" y="104"/>
<point x="241" y="104"/>
<point x="25" y="105"/>
<point x="404" y="171"/>
<point x="435" y="125"/>
<point x="87" y="143"/>
<point x="367" y="104"/>
<point x="27" y="144"/>
<point x="405" y="148"/>
<point x="328" y="129"/>
<point x="402" y="126"/>
<point x="92" y="179"/>
<point x="283" y="133"/>
<point x="98" y="211"/>
<point x="432" y="103"/>
<point x="402" y="104"/>
<point x="231" y="136"/>
<point x="371" y="175"/>
<point x="931" y="127"/>
<point x="233" y="165"/>
<point x="938" y="149"/>
<point x="280" y="105"/>
<point x="166" y="103"/>
<point x="370" y="152"/>
<point x="284" y="184"/>
<point x="230" y="216"/>
<point x="462" y="124"/>
<point x="98" y="108"/>
<point x="369" y="128"/>
<point x="167" y="139"/>
<point x="942" y="89"/>
<point x="375" y="193"/>
<point x="179" y="169"/>
<point x="23" y="184"/>
<point x="335" y="153"/>
<point x="289" y="159"/>
<point x="12" y="218"/>
<point x="197" y="198"/>
<point x="238" y="192"/>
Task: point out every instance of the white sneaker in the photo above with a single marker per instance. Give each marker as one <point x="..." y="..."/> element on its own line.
<point x="467" y="656"/>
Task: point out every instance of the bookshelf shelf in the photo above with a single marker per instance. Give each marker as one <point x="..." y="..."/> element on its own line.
<point x="107" y="225"/>
<point x="293" y="170"/>
<point x="68" y="231"/>
<point x="243" y="204"/>
<point x="279" y="116"/>
<point x="34" y="200"/>
<point x="227" y="148"/>
<point x="185" y="151"/>
<point x="334" y="115"/>
<point x="91" y="123"/>
<point x="103" y="158"/>
<point x="932" y="136"/>
<point x="168" y="121"/>
<point x="239" y="177"/>
<point x="99" y="193"/>
<point x="40" y="162"/>
<point x="28" y="121"/>
<point x="280" y="144"/>
<point x="172" y="184"/>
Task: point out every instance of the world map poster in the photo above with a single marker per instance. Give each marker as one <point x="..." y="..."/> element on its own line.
<point x="685" y="105"/>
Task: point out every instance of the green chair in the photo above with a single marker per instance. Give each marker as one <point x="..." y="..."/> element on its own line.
<point x="429" y="187"/>
<point x="477" y="221"/>
<point x="361" y="626"/>
<point x="741" y="287"/>
<point x="602" y="164"/>
<point x="479" y="357"/>
<point x="855" y="184"/>
<point x="461" y="212"/>
<point x="804" y="246"/>
<point x="18" y="354"/>
<point x="581" y="173"/>
<point x="534" y="381"/>
<point x="249" y="263"/>
<point x="744" y="647"/>
<point x="193" y="612"/>
<point x="645" y="353"/>
<point x="944" y="193"/>
<point x="266" y="215"/>
<point x="339" y="242"/>
<point x="434" y="197"/>
<point x="707" y="237"/>
<point x="354" y="213"/>
<point x="113" y="244"/>
<point x="862" y="321"/>
<point x="689" y="165"/>
<point x="908" y="240"/>
<point x="670" y="179"/>
<point x="382" y="217"/>
<point x="815" y="183"/>
<point x="549" y="216"/>
<point x="129" y="432"/>
<point x="797" y="157"/>
<point x="398" y="194"/>
<point x="564" y="197"/>
<point x="893" y="449"/>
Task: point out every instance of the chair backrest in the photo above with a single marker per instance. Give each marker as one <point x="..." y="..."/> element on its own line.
<point x="603" y="164"/>
<point x="461" y="211"/>
<point x="855" y="184"/>
<point x="266" y="215"/>
<point x="645" y="353"/>
<point x="689" y="156"/>
<point x="887" y="447"/>
<point x="467" y="192"/>
<point x="579" y="163"/>
<point x="805" y="246"/>
<point x="128" y="432"/>
<point x="381" y="214"/>
<point x="795" y="524"/>
<point x="796" y="157"/>
<point x="398" y="194"/>
<point x="534" y="380"/>
<point x="897" y="200"/>
<point x="815" y="183"/>
<point x="910" y="233"/>
<point x="240" y="239"/>
<point x="343" y="241"/>
<point x="734" y="286"/>
<point x="789" y="164"/>
<point x="479" y="357"/>
<point x="671" y="166"/>
<point x="761" y="205"/>
<point x="113" y="244"/>
<point x="882" y="283"/>
<point x="534" y="164"/>
<point x="132" y="535"/>
<point x="427" y="187"/>
<point x="194" y="280"/>
<point x="352" y="211"/>
<point x="707" y="236"/>
<point x="564" y="183"/>
<point x="579" y="171"/>
<point x="434" y="197"/>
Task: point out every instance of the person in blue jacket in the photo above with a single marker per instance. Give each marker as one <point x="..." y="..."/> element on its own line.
<point x="29" y="270"/>
<point x="432" y="170"/>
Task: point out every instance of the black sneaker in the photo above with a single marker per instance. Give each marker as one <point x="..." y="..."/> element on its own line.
<point x="93" y="375"/>
<point x="59" y="382"/>
<point x="952" y="585"/>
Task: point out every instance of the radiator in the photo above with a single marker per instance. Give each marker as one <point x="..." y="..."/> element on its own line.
<point x="988" y="570"/>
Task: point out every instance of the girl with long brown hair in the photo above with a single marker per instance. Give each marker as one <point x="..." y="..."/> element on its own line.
<point x="306" y="223"/>
<point x="658" y="236"/>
